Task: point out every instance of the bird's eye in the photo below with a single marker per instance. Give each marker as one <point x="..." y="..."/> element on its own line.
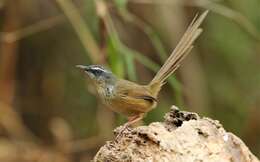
<point x="97" y="72"/>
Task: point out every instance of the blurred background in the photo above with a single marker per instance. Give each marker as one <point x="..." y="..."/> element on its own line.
<point x="48" y="112"/>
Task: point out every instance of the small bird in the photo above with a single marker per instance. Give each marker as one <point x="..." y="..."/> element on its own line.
<point x="134" y="100"/>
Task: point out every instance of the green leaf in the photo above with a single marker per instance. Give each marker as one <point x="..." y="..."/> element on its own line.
<point x="114" y="58"/>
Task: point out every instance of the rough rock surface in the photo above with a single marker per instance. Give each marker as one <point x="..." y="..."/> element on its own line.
<point x="182" y="137"/>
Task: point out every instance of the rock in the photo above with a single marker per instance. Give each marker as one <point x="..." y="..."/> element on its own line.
<point x="182" y="137"/>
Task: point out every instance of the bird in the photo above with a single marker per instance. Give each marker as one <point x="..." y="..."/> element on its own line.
<point x="131" y="99"/>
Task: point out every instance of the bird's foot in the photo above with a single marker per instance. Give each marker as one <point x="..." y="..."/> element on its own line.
<point x="121" y="131"/>
<point x="131" y="120"/>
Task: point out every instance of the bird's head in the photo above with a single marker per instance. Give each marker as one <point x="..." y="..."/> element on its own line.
<point x="98" y="74"/>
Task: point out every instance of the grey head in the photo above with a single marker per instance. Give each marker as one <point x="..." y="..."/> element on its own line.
<point x="98" y="74"/>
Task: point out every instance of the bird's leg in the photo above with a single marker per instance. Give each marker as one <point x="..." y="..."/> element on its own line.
<point x="134" y="119"/>
<point x="131" y="120"/>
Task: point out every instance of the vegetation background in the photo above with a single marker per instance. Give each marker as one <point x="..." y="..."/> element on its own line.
<point x="48" y="111"/>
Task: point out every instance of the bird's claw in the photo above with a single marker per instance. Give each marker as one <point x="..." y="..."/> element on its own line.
<point x="121" y="131"/>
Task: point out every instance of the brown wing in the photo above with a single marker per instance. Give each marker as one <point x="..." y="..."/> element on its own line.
<point x="132" y="98"/>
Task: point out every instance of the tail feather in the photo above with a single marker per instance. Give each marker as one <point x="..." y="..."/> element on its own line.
<point x="179" y="53"/>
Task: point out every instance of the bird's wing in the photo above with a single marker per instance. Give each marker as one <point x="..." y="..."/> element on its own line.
<point x="134" y="96"/>
<point x="130" y="89"/>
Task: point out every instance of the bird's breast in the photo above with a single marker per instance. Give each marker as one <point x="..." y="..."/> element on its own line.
<point x="106" y="94"/>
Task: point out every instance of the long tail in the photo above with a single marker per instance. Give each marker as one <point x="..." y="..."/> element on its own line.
<point x="179" y="53"/>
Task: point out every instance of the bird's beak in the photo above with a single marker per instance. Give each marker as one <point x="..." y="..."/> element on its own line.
<point x="82" y="67"/>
